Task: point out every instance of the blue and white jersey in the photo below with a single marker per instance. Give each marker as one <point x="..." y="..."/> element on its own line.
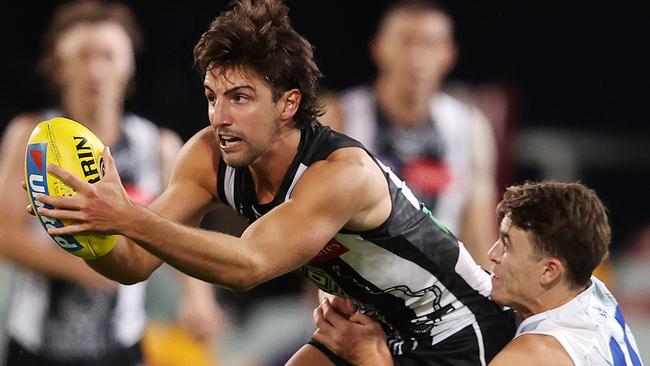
<point x="590" y="327"/>
<point x="410" y="273"/>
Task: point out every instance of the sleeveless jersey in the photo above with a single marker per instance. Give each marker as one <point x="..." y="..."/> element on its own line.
<point x="591" y="328"/>
<point x="434" y="159"/>
<point x="410" y="273"/>
<point x="64" y="321"/>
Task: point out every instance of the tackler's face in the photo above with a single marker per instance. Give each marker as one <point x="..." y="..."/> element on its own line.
<point x="517" y="268"/>
<point x="245" y="119"/>
<point x="94" y="64"/>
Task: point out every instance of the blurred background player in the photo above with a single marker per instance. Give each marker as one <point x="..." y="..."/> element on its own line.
<point x="62" y="312"/>
<point x="443" y="148"/>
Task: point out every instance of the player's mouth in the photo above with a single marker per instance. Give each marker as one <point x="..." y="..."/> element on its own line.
<point x="228" y="143"/>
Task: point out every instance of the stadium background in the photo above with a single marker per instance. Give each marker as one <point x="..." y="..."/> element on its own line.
<point x="578" y="68"/>
<point x="581" y="65"/>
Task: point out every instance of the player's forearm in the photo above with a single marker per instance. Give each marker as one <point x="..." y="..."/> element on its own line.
<point x="479" y="231"/>
<point x="210" y="256"/>
<point x="126" y="263"/>
<point x="378" y="355"/>
<point x="30" y="251"/>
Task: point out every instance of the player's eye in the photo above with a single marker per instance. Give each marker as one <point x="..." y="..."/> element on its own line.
<point x="240" y="99"/>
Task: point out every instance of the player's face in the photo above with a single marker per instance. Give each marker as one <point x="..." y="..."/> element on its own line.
<point x="245" y="119"/>
<point x="94" y="65"/>
<point x="517" y="269"/>
<point x="415" y="49"/>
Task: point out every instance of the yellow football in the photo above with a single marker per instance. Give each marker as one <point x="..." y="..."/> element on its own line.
<point x="75" y="148"/>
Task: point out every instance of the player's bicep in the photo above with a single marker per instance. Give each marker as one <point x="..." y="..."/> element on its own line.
<point x="321" y="204"/>
<point x="183" y="202"/>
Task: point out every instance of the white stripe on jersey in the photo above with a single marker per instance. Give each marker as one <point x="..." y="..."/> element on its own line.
<point x="301" y="169"/>
<point x="471" y="272"/>
<point x="479" y="339"/>
<point x="229" y="186"/>
<point x="406" y="191"/>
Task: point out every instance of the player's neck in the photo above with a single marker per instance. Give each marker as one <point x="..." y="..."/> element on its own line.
<point x="104" y="120"/>
<point x="405" y="106"/>
<point x="549" y="299"/>
<point x="268" y="170"/>
<point x="560" y="295"/>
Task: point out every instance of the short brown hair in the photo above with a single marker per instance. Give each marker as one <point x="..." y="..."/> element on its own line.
<point x="69" y="15"/>
<point x="567" y="221"/>
<point x="258" y="35"/>
<point x="416" y="6"/>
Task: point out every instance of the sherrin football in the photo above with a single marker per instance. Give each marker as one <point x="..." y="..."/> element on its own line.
<point x="75" y="148"/>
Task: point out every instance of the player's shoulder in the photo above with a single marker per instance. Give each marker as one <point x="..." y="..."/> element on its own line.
<point x="349" y="169"/>
<point x="198" y="160"/>
<point x="17" y="132"/>
<point x="533" y="349"/>
<point x="22" y="124"/>
<point x="200" y="151"/>
<point x="352" y="157"/>
<point x="203" y="141"/>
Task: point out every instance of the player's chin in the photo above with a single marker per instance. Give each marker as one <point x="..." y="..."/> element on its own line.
<point x="496" y="291"/>
<point x="236" y="160"/>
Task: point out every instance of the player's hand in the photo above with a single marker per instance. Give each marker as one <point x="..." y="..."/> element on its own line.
<point x="357" y="338"/>
<point x="101" y="207"/>
<point x="340" y="304"/>
<point x="29" y="208"/>
<point x="201" y="315"/>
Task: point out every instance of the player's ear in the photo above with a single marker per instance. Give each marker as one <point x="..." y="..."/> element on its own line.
<point x="554" y="271"/>
<point x="290" y="101"/>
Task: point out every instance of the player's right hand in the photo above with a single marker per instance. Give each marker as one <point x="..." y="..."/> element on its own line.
<point x="29" y="208"/>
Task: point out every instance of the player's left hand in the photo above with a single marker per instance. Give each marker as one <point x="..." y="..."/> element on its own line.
<point x="101" y="207"/>
<point x="201" y="315"/>
<point x="358" y="338"/>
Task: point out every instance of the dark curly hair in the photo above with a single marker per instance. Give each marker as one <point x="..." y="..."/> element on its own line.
<point x="258" y="35"/>
<point x="567" y="221"/>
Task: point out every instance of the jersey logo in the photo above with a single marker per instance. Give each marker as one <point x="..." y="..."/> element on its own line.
<point x="427" y="176"/>
<point x="331" y="250"/>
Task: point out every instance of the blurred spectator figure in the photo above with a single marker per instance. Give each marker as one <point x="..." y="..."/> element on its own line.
<point x="61" y="312"/>
<point x="443" y="148"/>
<point x="267" y="324"/>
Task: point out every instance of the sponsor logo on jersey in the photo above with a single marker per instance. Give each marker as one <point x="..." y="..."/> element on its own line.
<point x="331" y="250"/>
<point x="37" y="180"/>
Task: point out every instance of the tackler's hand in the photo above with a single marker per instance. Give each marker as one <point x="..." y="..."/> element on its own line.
<point x="356" y="338"/>
<point x="103" y="207"/>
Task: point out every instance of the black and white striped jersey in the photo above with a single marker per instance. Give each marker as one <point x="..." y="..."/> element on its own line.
<point x="64" y="321"/>
<point x="410" y="273"/>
